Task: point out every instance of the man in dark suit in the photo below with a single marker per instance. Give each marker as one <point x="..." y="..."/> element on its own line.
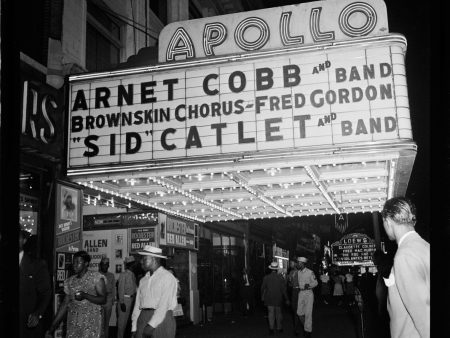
<point x="273" y="290"/>
<point x="35" y="291"/>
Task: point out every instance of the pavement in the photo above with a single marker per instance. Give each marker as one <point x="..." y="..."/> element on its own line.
<point x="328" y="321"/>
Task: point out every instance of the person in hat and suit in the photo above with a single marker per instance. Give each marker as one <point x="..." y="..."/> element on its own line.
<point x="306" y="282"/>
<point x="409" y="280"/>
<point x="273" y="290"/>
<point x="126" y="286"/>
<point x="156" y="298"/>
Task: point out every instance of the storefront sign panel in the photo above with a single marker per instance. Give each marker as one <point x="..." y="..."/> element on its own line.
<point x="325" y="98"/>
<point x="140" y="237"/>
<point x="180" y="233"/>
<point x="353" y="249"/>
<point x="273" y="28"/>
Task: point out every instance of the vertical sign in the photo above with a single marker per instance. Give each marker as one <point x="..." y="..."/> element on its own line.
<point x="341" y="222"/>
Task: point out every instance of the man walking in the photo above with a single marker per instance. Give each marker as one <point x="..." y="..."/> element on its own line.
<point x="273" y="290"/>
<point x="306" y="282"/>
<point x="110" y="293"/>
<point x="127" y="291"/>
<point x="293" y="290"/>
<point x="35" y="291"/>
<point x="409" y="281"/>
<point x="156" y="298"/>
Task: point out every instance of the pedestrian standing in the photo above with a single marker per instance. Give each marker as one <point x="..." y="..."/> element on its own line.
<point x="85" y="293"/>
<point x="126" y="286"/>
<point x="293" y="291"/>
<point x="246" y="292"/>
<point x="307" y="282"/>
<point x="338" y="288"/>
<point x="35" y="291"/>
<point x="110" y="293"/>
<point x="409" y="281"/>
<point x="349" y="287"/>
<point x="273" y="290"/>
<point x="156" y="298"/>
<point x="325" y="286"/>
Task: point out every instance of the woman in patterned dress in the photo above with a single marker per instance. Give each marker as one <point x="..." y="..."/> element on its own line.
<point x="85" y="294"/>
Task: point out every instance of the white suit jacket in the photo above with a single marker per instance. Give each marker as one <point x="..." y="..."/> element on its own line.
<point x="409" y="289"/>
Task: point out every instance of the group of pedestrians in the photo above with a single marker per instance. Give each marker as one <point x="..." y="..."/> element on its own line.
<point x="90" y="295"/>
<point x="300" y="283"/>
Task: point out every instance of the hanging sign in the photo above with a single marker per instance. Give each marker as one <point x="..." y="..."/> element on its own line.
<point x="286" y="101"/>
<point x="273" y="28"/>
<point x="180" y="233"/>
<point x="353" y="249"/>
<point x="341" y="222"/>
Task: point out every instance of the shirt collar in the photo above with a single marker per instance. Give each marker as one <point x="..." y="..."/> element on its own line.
<point x="404" y="236"/>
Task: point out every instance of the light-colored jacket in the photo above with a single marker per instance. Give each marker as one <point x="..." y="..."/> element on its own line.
<point x="409" y="289"/>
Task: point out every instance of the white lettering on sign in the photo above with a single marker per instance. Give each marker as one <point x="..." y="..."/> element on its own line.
<point x="273" y="28"/>
<point x="323" y="98"/>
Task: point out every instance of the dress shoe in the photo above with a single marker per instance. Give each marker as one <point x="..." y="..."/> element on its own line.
<point x="271" y="332"/>
<point x="280" y="330"/>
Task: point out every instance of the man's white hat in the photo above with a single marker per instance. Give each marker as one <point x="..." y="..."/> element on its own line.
<point x="152" y="251"/>
<point x="303" y="259"/>
<point x="273" y="266"/>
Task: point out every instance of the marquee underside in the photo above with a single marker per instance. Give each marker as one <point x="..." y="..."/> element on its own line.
<point x="279" y="184"/>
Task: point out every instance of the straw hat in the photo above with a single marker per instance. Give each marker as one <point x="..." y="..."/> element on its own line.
<point x="302" y="259"/>
<point x="152" y="251"/>
<point x="273" y="266"/>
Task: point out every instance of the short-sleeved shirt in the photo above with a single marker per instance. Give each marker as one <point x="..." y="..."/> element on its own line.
<point x="84" y="319"/>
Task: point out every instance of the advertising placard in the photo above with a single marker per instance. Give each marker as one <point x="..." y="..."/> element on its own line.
<point x="140" y="237"/>
<point x="289" y="101"/>
<point x="353" y="249"/>
<point x="109" y="243"/>
<point x="180" y="233"/>
<point x="68" y="218"/>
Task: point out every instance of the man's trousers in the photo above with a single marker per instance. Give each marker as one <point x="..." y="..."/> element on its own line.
<point x="305" y="307"/>
<point x="275" y="315"/>
<point x="123" y="317"/>
<point x="166" y="329"/>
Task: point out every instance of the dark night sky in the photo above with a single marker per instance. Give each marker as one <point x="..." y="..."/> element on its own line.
<point x="411" y="19"/>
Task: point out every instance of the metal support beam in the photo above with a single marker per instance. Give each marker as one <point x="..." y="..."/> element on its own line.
<point x="314" y="174"/>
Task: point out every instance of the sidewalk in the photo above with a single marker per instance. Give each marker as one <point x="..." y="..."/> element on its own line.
<point x="328" y="321"/>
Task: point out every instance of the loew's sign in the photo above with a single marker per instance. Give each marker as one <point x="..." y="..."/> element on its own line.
<point x="286" y="101"/>
<point x="273" y="28"/>
<point x="353" y="249"/>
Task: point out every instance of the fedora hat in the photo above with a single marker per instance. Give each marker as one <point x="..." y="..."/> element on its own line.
<point x="302" y="259"/>
<point x="128" y="259"/>
<point x="273" y="266"/>
<point x="152" y="251"/>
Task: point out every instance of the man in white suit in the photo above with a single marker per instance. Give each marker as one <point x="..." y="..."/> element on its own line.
<point x="409" y="281"/>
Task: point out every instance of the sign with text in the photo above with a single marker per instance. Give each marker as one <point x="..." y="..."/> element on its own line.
<point x="353" y="249"/>
<point x="140" y="237"/>
<point x="110" y="243"/>
<point x="273" y="28"/>
<point x="180" y="233"/>
<point x="341" y="222"/>
<point x="68" y="218"/>
<point x="290" y="102"/>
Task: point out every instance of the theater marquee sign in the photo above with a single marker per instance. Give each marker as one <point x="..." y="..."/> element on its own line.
<point x="273" y="28"/>
<point x="289" y="111"/>
<point x="286" y="101"/>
